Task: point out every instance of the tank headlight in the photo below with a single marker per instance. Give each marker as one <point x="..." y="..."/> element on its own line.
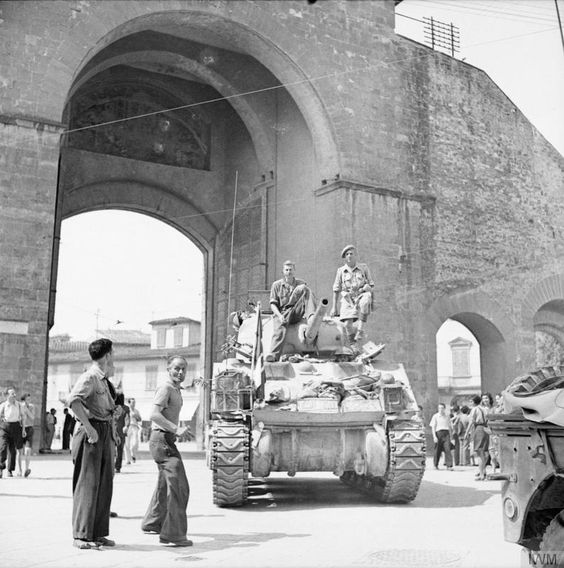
<point x="509" y="508"/>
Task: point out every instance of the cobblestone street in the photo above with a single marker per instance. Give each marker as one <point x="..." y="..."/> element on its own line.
<point x="309" y="520"/>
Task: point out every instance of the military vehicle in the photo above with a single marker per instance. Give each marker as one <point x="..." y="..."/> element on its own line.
<point x="532" y="464"/>
<point x="325" y="406"/>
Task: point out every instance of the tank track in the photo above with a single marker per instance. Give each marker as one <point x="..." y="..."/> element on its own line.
<point x="406" y="465"/>
<point x="230" y="463"/>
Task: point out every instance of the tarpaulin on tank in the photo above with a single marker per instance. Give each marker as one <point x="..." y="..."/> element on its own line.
<point x="544" y="402"/>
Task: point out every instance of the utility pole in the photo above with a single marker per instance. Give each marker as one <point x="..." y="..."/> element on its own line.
<point x="97" y="332"/>
<point x="559" y="22"/>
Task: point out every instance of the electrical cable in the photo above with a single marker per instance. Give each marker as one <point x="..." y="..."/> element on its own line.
<point x="496" y="14"/>
<point x="283" y="85"/>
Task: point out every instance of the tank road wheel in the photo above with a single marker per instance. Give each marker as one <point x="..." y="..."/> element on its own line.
<point x="230" y="463"/>
<point x="552" y="543"/>
<point x="406" y="464"/>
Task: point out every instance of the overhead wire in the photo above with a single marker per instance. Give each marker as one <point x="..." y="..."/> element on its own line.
<point x="460" y="8"/>
<point x="359" y="69"/>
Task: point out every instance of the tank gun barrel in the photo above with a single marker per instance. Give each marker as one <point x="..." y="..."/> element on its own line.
<point x="315" y="321"/>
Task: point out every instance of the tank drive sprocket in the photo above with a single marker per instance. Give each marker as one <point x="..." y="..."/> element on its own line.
<point x="230" y="443"/>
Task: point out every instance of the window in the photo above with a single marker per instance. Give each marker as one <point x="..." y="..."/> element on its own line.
<point x="461" y="362"/>
<point x="151" y="372"/>
<point x="178" y="336"/>
<point x="161" y="338"/>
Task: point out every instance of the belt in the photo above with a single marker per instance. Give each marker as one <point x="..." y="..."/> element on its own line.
<point x="161" y="430"/>
<point x="97" y="421"/>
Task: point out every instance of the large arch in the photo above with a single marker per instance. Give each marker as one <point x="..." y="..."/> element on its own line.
<point x="210" y="27"/>
<point x="182" y="197"/>
<point x="493" y="329"/>
<point x="184" y="67"/>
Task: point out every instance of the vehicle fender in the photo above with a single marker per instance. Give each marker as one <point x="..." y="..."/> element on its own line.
<point x="376" y="445"/>
<point x="262" y="455"/>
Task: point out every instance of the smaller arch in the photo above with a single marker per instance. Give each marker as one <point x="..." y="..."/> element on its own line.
<point x="544" y="292"/>
<point x="493" y="329"/>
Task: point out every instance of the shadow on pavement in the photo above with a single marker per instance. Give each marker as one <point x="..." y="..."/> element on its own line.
<point x="310" y="493"/>
<point x="215" y="542"/>
<point x="141" y="517"/>
<point x="44" y="496"/>
<point x="434" y="495"/>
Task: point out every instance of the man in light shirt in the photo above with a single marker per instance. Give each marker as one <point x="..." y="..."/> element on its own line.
<point x="442" y="430"/>
<point x="10" y="431"/>
<point x="166" y="513"/>
<point x="352" y="295"/>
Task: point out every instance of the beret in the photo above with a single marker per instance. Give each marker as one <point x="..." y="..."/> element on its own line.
<point x="347" y="249"/>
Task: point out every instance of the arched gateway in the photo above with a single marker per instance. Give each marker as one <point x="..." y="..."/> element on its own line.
<point x="333" y="130"/>
<point x="177" y="122"/>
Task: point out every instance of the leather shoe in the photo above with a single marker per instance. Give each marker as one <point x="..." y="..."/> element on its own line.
<point x="84" y="544"/>
<point x="103" y="541"/>
<point x="183" y="542"/>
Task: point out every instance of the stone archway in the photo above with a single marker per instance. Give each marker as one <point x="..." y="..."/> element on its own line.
<point x="209" y="59"/>
<point x="543" y="312"/>
<point x="493" y="329"/>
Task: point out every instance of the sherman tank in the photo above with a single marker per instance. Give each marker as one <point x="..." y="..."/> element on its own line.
<point x="325" y="406"/>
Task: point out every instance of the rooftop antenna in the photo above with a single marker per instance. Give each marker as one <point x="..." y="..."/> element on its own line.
<point x="440" y="35"/>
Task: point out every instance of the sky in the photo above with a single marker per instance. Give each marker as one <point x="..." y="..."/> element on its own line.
<point x="156" y="272"/>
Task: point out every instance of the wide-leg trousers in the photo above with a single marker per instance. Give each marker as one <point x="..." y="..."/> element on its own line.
<point x="92" y="482"/>
<point x="166" y="513"/>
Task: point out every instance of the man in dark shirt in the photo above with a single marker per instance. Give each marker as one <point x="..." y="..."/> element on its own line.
<point x="68" y="428"/>
<point x="92" y="401"/>
<point x="289" y="299"/>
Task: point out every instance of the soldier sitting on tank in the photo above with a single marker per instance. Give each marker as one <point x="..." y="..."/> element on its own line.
<point x="290" y="300"/>
<point x="353" y="284"/>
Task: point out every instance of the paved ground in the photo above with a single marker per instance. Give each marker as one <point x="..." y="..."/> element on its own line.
<point x="310" y="520"/>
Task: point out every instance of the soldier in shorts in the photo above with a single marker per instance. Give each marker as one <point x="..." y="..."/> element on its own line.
<point x="353" y="287"/>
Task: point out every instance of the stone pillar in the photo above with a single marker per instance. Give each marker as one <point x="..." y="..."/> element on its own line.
<point x="29" y="152"/>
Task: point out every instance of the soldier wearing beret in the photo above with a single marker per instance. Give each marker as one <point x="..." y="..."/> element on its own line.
<point x="352" y="294"/>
